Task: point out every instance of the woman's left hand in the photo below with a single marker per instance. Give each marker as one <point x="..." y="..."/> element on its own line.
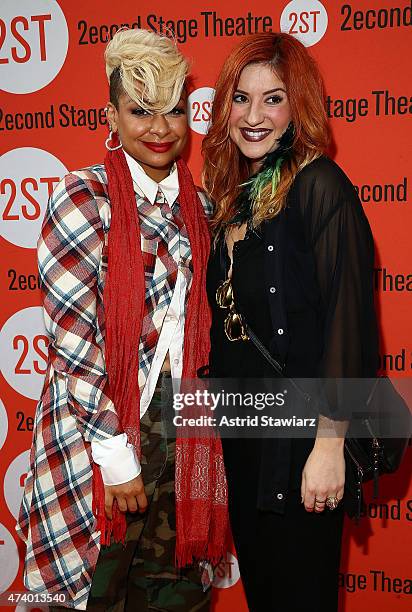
<point x="324" y="474"/>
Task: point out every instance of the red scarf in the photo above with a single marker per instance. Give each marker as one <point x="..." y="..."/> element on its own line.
<point x="201" y="514"/>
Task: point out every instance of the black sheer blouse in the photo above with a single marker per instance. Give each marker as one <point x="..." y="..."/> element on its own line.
<point x="304" y="284"/>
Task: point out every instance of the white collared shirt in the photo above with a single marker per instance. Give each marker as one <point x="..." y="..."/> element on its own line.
<point x="117" y="458"/>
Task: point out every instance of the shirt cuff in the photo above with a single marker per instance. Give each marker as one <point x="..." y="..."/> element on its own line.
<point x="117" y="459"/>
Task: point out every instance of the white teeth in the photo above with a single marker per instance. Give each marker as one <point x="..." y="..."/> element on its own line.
<point x="256" y="135"/>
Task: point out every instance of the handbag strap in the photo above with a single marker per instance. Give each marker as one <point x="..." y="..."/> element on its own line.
<point x="263" y="350"/>
<point x="272" y="361"/>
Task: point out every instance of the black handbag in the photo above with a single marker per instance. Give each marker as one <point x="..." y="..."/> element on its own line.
<point x="376" y="447"/>
<point x="372" y="447"/>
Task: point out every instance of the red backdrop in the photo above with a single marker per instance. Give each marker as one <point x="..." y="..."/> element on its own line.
<point x="53" y="90"/>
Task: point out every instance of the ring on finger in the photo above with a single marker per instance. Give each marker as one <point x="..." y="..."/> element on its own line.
<point x="332" y="502"/>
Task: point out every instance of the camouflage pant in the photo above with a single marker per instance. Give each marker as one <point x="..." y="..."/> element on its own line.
<point x="141" y="576"/>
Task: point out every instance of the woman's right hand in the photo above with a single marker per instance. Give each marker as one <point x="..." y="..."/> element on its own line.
<point x="130" y="496"/>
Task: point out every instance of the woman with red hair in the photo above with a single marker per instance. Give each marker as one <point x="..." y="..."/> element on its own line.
<point x="290" y="286"/>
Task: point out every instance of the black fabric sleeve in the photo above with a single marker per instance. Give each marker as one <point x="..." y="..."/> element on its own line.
<point x="339" y="234"/>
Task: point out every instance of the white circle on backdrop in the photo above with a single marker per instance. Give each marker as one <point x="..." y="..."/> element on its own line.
<point x="306" y="20"/>
<point x="35" y="44"/>
<point x="27" y="178"/>
<point x="9" y="559"/>
<point x="14" y="482"/>
<point x="23" y="355"/>
<point x="227" y="572"/>
<point x="4" y="424"/>
<point x="199" y="105"/>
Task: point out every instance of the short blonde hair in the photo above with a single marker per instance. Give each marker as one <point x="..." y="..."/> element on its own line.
<point x="149" y="67"/>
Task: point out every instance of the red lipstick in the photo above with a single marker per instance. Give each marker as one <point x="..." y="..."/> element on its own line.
<point x="255" y="135"/>
<point x="159" y="147"/>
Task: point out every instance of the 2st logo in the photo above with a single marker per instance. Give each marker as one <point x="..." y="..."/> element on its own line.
<point x="23" y="359"/>
<point x="21" y="23"/>
<point x="226" y="573"/>
<point x="21" y="345"/>
<point x="34" y="40"/>
<point x="28" y="178"/>
<point x="199" y="106"/>
<point x="202" y="110"/>
<point x="307" y="20"/>
<point x="30" y="209"/>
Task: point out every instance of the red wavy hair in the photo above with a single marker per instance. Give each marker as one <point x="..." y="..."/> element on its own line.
<point x="225" y="168"/>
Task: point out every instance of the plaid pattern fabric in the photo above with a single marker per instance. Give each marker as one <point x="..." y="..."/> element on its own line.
<point x="56" y="519"/>
<point x="165" y="248"/>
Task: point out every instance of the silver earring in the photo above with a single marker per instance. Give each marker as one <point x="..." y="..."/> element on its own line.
<point x="108" y="141"/>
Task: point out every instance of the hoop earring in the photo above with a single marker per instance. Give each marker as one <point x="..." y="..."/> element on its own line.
<point x="109" y="139"/>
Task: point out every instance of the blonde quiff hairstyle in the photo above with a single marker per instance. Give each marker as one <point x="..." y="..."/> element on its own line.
<point x="149" y="68"/>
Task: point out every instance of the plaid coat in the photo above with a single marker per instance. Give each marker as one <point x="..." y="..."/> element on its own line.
<point x="56" y="520"/>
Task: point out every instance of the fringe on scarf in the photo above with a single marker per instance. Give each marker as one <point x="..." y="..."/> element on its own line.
<point x="114" y="528"/>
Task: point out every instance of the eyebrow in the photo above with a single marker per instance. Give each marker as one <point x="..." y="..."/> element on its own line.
<point x="130" y="101"/>
<point x="265" y="92"/>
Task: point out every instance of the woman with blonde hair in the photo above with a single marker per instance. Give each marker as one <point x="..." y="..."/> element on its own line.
<point x="109" y="500"/>
<point x="290" y="286"/>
